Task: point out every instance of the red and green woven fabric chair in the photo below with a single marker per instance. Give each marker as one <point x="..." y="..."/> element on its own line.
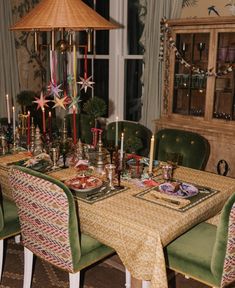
<point x="49" y="225"/>
<point x="9" y="224"/>
<point x="206" y="252"/>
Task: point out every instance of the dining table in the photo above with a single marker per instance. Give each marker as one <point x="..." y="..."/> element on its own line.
<point x="137" y="224"/>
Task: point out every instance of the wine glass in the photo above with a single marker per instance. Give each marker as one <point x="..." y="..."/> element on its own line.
<point x="110" y="173"/>
<point x="55" y="153"/>
<point x="111" y="148"/>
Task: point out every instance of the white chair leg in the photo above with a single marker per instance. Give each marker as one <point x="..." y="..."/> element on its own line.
<point x="74" y="280"/>
<point x="28" y="266"/>
<point x="145" y="284"/>
<point x="128" y="279"/>
<point x="1" y="257"/>
<point x="17" y="239"/>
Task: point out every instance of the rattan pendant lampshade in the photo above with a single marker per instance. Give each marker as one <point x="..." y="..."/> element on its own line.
<point x="62" y="14"/>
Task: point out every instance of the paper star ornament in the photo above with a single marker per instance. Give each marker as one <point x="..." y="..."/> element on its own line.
<point x="86" y="83"/>
<point x="74" y="102"/>
<point x="42" y="102"/>
<point x="54" y="89"/>
<point x="61" y="102"/>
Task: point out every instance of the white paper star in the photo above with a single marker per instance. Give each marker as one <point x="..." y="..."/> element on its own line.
<point x="86" y="83"/>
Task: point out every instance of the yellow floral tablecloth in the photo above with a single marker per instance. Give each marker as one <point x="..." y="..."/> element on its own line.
<point x="137" y="229"/>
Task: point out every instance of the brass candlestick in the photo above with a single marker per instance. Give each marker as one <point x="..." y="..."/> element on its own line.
<point x="100" y="154"/>
<point x="32" y="136"/>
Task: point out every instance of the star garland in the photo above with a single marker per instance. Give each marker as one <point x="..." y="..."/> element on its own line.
<point x="165" y="31"/>
<point x="54" y="89"/>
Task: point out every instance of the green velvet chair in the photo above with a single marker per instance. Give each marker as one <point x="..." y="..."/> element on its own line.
<point x="187" y="148"/>
<point x="9" y="225"/>
<point x="136" y="136"/>
<point x="49" y="225"/>
<point x="84" y="125"/>
<point x="206" y="252"/>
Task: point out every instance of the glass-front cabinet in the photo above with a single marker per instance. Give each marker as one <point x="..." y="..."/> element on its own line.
<point x="199" y="83"/>
<point x="189" y="87"/>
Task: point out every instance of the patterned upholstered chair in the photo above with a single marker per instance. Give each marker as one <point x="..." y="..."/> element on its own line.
<point x="188" y="149"/>
<point x="49" y="225"/>
<point x="137" y="136"/>
<point x="207" y="253"/>
<point x="9" y="225"/>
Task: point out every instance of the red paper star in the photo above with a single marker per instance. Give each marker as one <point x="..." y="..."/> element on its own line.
<point x="42" y="102"/>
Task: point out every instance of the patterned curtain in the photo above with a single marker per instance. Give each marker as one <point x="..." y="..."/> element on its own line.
<point x="9" y="80"/>
<point x="151" y="13"/>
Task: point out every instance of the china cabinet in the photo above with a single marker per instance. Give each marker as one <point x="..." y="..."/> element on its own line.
<point x="199" y="84"/>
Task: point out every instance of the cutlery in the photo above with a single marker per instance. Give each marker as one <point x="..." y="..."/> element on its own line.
<point x="167" y="199"/>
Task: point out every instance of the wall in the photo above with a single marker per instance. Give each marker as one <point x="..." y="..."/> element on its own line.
<point x="200" y="9"/>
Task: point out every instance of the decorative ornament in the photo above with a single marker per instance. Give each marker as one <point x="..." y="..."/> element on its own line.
<point x="42" y="102"/>
<point x="61" y="102"/>
<point x="165" y="35"/>
<point x="86" y="83"/>
<point x="74" y="102"/>
<point x="54" y="89"/>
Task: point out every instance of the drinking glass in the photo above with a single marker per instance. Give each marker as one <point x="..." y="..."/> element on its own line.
<point x="110" y="173"/>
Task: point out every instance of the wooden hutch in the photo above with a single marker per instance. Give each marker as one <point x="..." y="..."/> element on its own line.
<point x="199" y="84"/>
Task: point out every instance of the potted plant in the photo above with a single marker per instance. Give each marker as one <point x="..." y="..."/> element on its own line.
<point x="25" y="99"/>
<point x="95" y="108"/>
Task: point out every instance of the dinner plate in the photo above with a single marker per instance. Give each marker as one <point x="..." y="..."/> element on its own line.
<point x="84" y="183"/>
<point x="184" y="190"/>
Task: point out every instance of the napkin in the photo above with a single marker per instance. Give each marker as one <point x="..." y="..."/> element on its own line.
<point x="166" y="200"/>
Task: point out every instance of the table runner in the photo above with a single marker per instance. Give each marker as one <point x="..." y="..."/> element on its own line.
<point x="139" y="230"/>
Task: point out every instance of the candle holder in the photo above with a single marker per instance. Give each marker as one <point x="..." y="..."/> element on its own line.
<point x="32" y="136"/>
<point x="100" y="154"/>
<point x="3" y="144"/>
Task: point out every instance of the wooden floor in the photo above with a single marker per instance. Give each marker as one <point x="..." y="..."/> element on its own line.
<point x="107" y="274"/>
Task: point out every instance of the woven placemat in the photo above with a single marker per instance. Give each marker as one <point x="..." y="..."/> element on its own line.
<point x="98" y="194"/>
<point x="176" y="202"/>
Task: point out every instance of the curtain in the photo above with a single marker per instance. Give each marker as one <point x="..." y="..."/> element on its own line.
<point x="9" y="80"/>
<point x="151" y="13"/>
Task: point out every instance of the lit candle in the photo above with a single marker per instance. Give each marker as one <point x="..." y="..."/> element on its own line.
<point x="74" y="126"/>
<point x="14" y="120"/>
<point x="122" y="143"/>
<point x="8" y="110"/>
<point x="116" y="132"/>
<point x="43" y="121"/>
<point x="50" y="124"/>
<point x="28" y="130"/>
<point x="151" y="154"/>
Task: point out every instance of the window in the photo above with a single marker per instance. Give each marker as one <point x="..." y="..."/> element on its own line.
<point x="116" y="59"/>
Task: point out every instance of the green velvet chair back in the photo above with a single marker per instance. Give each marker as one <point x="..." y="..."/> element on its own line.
<point x="136" y="136"/>
<point x="188" y="149"/>
<point x="47" y="216"/>
<point x="84" y="125"/>
<point x="223" y="257"/>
